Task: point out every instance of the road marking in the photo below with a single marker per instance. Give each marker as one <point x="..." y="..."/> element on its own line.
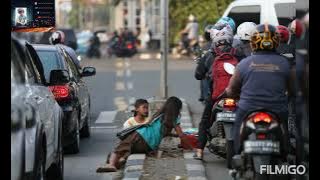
<point x="127" y="64"/>
<point x="130" y="85"/>
<point x="120" y="73"/>
<point x="119" y="64"/>
<point x="120" y="103"/>
<point x="128" y="72"/>
<point x="158" y="56"/>
<point x="120" y="86"/>
<point x="106" y="117"/>
<point x="145" y="56"/>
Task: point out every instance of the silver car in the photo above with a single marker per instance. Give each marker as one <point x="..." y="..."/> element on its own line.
<point x="43" y="116"/>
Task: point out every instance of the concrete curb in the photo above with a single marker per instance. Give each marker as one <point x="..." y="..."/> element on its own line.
<point x="195" y="168"/>
<point x="134" y="167"/>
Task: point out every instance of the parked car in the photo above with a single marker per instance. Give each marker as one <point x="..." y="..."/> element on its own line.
<point x="70" y="38"/>
<point x="70" y="90"/>
<point x="43" y="116"/>
<point x="274" y="12"/>
<point x="18" y="121"/>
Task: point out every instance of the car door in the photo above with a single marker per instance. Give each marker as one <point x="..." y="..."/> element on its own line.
<point x="83" y="89"/>
<point x="43" y="100"/>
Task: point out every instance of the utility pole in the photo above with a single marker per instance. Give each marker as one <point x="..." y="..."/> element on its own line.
<point x="164" y="49"/>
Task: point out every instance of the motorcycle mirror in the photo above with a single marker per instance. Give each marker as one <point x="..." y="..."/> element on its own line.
<point x="229" y="68"/>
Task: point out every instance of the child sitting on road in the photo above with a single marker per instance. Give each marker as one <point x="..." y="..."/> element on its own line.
<point x="140" y="114"/>
<point x="148" y="138"/>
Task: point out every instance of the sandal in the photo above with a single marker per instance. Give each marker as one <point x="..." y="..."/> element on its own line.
<point x="197" y="157"/>
<point x="106" y="168"/>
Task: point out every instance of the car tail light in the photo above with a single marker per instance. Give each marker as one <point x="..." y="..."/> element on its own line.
<point x="261" y="136"/>
<point x="60" y="92"/>
<point x="262" y="117"/>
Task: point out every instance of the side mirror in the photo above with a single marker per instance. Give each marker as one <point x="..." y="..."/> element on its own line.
<point x="88" y="71"/>
<point x="58" y="77"/>
<point x="229" y="68"/>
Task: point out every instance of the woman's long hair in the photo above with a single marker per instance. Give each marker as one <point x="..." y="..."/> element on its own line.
<point x="170" y="110"/>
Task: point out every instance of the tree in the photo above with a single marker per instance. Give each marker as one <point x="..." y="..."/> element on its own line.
<point x="206" y="12"/>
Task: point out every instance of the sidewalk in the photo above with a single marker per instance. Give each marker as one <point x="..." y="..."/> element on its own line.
<point x="174" y="163"/>
<point x="152" y="55"/>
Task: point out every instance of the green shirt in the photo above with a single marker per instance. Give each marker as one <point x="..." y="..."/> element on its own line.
<point x="152" y="133"/>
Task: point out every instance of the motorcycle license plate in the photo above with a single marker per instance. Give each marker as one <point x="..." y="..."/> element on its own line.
<point x="226" y="116"/>
<point x="261" y="147"/>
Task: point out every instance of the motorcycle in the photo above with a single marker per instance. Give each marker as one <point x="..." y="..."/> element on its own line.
<point x="128" y="49"/>
<point x="262" y="143"/>
<point x="220" y="134"/>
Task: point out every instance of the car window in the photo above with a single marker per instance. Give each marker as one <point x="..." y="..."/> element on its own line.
<point x="50" y="61"/>
<point x="33" y="68"/>
<point x="17" y="73"/>
<point x="31" y="75"/>
<point x="242" y="14"/>
<point x="72" y="66"/>
<point x="286" y="13"/>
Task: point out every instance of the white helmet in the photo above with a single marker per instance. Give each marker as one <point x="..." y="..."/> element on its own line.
<point x="245" y="30"/>
<point x="224" y="36"/>
<point x="191" y="17"/>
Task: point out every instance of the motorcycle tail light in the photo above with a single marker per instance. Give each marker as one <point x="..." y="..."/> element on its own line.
<point x="262" y="117"/>
<point x="129" y="46"/>
<point x="229" y="103"/>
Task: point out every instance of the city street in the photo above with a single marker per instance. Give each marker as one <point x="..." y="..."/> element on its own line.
<point x="116" y="85"/>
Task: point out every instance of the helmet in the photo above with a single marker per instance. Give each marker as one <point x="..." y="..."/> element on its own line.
<point x="296" y="27"/>
<point x="227" y="20"/>
<point x="191" y="17"/>
<point x="57" y="37"/>
<point x="245" y="30"/>
<point x="207" y="31"/>
<point x="284" y="33"/>
<point x="265" y="37"/>
<point x="223" y="37"/>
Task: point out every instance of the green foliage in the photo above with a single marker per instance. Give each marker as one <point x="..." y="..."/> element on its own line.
<point x="206" y="12"/>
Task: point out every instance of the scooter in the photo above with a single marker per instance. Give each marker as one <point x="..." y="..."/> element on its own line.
<point x="262" y="144"/>
<point x="220" y="135"/>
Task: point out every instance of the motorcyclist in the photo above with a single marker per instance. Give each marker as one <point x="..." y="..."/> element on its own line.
<point x="261" y="80"/>
<point x="204" y="83"/>
<point x="94" y="48"/>
<point x="223" y="41"/>
<point x="192" y="30"/>
<point x="58" y="38"/>
<point x="242" y="38"/>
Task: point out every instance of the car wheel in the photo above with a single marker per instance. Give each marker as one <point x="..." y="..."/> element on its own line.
<point x="75" y="146"/>
<point x="40" y="168"/>
<point x="85" y="131"/>
<point x="55" y="172"/>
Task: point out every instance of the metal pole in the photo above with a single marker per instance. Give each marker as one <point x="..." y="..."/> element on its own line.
<point x="164" y="49"/>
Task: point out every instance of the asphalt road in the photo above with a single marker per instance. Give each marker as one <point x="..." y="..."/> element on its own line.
<point x="117" y="83"/>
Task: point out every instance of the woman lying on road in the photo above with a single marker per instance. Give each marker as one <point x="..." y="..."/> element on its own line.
<point x="148" y="138"/>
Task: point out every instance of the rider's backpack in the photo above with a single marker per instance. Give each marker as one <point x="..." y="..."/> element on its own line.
<point x="220" y="77"/>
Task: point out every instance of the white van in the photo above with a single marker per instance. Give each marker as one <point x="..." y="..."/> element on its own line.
<point x="274" y="12"/>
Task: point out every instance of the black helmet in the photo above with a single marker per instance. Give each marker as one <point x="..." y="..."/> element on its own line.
<point x="265" y="37"/>
<point x="207" y="32"/>
<point x="57" y="37"/>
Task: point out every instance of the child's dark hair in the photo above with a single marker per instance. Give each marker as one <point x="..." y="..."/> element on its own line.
<point x="138" y="103"/>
